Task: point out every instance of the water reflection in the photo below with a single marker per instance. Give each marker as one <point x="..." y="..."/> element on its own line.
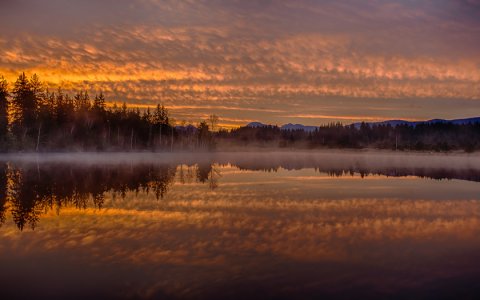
<point x="228" y="227"/>
<point x="32" y="189"/>
<point x="29" y="189"/>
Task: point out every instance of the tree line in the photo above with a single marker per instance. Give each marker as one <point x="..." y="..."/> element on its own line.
<point x="32" y="118"/>
<point x="421" y="137"/>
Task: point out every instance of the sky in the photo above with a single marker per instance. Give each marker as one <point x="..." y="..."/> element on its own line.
<point x="302" y="61"/>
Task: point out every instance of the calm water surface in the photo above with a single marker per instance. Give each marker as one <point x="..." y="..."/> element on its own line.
<point x="244" y="225"/>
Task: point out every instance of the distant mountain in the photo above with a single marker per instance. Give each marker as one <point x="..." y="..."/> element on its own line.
<point x="393" y="123"/>
<point x="288" y="126"/>
<point x="466" y="121"/>
<point x="256" y="124"/>
<point x="291" y="126"/>
<point x="187" y="128"/>
<point x="414" y="123"/>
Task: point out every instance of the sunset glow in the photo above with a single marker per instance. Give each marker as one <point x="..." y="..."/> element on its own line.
<point x="311" y="62"/>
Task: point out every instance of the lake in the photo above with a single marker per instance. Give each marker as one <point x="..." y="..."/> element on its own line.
<point x="304" y="225"/>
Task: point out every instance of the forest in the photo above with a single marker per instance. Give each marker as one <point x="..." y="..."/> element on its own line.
<point x="439" y="137"/>
<point x="32" y="118"/>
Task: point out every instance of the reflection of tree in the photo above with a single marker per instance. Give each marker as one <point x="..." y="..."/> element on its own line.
<point x="186" y="174"/>
<point x="34" y="189"/>
<point x="28" y="190"/>
<point x="214" y="176"/>
<point x="208" y="173"/>
<point x="26" y="194"/>
<point x="351" y="168"/>
<point x="3" y="192"/>
<point x="162" y="181"/>
<point x="203" y="171"/>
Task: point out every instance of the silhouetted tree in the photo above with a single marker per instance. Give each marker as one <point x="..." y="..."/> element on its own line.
<point x="33" y="118"/>
<point x="3" y="113"/>
<point x="24" y="111"/>
<point x="161" y="123"/>
<point x="213" y="120"/>
<point x="204" y="136"/>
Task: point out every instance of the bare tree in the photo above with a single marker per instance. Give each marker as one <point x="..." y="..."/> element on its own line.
<point x="213" y="120"/>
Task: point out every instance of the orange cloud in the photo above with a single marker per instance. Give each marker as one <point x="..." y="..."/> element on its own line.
<point x="225" y="59"/>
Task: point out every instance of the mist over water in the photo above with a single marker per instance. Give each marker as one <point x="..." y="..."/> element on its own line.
<point x="333" y="158"/>
<point x="439" y="166"/>
<point x="238" y="225"/>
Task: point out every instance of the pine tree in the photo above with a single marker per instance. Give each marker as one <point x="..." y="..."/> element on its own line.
<point x="160" y="120"/>
<point x="99" y="103"/>
<point x="203" y="135"/>
<point x="24" y="110"/>
<point x="3" y="112"/>
<point x="161" y="115"/>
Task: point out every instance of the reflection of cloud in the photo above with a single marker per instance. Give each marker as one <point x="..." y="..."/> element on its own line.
<point x="223" y="234"/>
<point x="362" y="221"/>
<point x="280" y="209"/>
<point x="255" y="221"/>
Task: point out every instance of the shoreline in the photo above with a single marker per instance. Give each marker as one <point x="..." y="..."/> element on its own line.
<point x="244" y="150"/>
<point x="305" y="158"/>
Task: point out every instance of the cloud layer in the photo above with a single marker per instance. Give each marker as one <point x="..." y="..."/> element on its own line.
<point x="276" y="61"/>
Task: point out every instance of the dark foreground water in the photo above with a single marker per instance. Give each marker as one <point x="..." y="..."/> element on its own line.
<point x="240" y="226"/>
